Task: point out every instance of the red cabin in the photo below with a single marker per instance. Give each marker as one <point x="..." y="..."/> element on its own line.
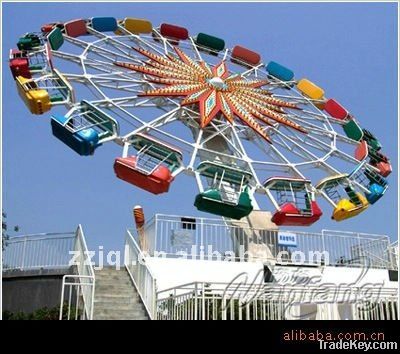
<point x="381" y="162"/>
<point x="76" y="28"/>
<point x="335" y="109"/>
<point x="294" y="201"/>
<point x="48" y="27"/>
<point x="290" y="215"/>
<point x="361" y="152"/>
<point x="156" y="182"/>
<point x="19" y="64"/>
<point x="245" y="55"/>
<point x="385" y="168"/>
<point x="174" y="32"/>
<point x="152" y="168"/>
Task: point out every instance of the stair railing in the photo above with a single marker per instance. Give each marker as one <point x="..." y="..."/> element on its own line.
<point x="140" y="274"/>
<point x="77" y="294"/>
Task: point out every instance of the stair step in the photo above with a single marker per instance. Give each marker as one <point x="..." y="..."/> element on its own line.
<point x="123" y="306"/>
<point x="116" y="296"/>
<point x="112" y="276"/>
<point x="114" y="282"/>
<point x="110" y="268"/>
<point x="116" y="300"/>
<point x="119" y="313"/>
<point x="130" y="318"/>
<point x="110" y="290"/>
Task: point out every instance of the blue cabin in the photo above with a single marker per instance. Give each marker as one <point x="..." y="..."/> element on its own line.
<point x="279" y="71"/>
<point x="84" y="128"/>
<point x="84" y="142"/>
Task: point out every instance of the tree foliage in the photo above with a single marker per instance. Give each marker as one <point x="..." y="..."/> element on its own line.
<point x="4" y="229"/>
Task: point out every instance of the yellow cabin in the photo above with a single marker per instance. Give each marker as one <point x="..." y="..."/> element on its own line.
<point x="346" y="209"/>
<point x="37" y="100"/>
<point x="339" y="192"/>
<point x="136" y="25"/>
<point x="310" y="90"/>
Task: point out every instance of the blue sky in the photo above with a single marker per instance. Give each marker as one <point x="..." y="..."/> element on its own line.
<point x="349" y="49"/>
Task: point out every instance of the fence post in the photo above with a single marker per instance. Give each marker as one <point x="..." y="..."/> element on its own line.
<point x="154" y="302"/>
<point x="196" y="308"/>
<point x="323" y="245"/>
<point x="155" y="236"/>
<point x="23" y="254"/>
<point x="361" y="253"/>
<point x="203" y="303"/>
<point x="201" y="234"/>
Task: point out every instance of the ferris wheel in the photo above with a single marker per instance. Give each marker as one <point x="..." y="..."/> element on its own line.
<point x="178" y="103"/>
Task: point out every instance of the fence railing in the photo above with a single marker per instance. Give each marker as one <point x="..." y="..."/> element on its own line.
<point x="36" y="251"/>
<point x="78" y="290"/>
<point x="140" y="274"/>
<point x="394" y="254"/>
<point x="221" y="301"/>
<point x="213" y="239"/>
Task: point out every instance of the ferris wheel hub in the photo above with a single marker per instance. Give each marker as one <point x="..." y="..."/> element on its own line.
<point x="217" y="83"/>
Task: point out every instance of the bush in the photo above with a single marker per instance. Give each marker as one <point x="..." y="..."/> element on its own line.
<point x="43" y="314"/>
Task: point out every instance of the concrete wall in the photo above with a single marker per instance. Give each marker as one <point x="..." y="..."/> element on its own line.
<point x="27" y="291"/>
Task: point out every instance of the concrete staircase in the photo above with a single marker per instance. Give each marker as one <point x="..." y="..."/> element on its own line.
<point x="116" y="298"/>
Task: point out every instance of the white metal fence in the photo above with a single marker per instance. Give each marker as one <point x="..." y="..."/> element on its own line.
<point x="53" y="251"/>
<point x="36" y="251"/>
<point x="194" y="237"/>
<point x="219" y="301"/>
<point x="77" y="295"/>
<point x="394" y="253"/>
<point x="140" y="274"/>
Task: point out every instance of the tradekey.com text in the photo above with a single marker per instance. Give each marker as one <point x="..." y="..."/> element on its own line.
<point x="357" y="345"/>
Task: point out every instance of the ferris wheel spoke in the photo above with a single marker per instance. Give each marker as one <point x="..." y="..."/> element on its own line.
<point x="146" y="125"/>
<point x="122" y="47"/>
<point x="100" y="51"/>
<point x="283" y="144"/>
<point x="314" y="132"/>
<point x="145" y="41"/>
<point x="67" y="56"/>
<point x="229" y="142"/>
<point x="109" y="67"/>
<point x="196" y="49"/>
<point x="312" y="141"/>
<point x="252" y="71"/>
<point x="118" y="76"/>
<point x="166" y="43"/>
<point x="245" y="156"/>
<point x="312" y="128"/>
<point x="118" y="85"/>
<point x="222" y="154"/>
<point x="305" y="153"/>
<point x="195" y="149"/>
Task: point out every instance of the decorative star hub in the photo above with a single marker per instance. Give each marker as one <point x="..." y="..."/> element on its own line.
<point x="217" y="83"/>
<point x="214" y="90"/>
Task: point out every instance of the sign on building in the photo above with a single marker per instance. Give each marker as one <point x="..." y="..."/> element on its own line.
<point x="287" y="239"/>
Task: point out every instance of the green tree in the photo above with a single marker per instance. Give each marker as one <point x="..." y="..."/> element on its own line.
<point x="4" y="229"/>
